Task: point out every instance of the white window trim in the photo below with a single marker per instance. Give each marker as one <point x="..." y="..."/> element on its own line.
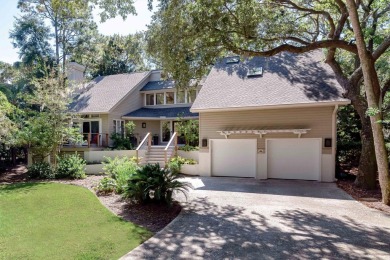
<point x="120" y="125"/>
<point x="175" y="97"/>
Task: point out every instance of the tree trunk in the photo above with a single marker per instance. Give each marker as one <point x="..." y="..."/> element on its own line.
<point x="367" y="171"/>
<point x="371" y="84"/>
<point x="57" y="42"/>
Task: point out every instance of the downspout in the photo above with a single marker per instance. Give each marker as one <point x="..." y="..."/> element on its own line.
<point x="334" y="137"/>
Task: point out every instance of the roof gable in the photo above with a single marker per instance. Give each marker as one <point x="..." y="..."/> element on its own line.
<point x="105" y="92"/>
<point x="286" y="79"/>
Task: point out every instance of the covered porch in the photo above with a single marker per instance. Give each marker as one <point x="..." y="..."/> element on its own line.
<point x="161" y="123"/>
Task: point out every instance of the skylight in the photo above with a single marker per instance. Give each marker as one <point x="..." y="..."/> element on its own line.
<point x="231" y="60"/>
<point x="257" y="71"/>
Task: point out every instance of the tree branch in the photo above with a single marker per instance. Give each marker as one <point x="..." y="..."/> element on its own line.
<point x="293" y="49"/>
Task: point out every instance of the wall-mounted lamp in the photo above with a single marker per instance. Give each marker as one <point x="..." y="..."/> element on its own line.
<point x="143" y="125"/>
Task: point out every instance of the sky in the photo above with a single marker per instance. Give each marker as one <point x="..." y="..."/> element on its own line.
<point x="132" y="24"/>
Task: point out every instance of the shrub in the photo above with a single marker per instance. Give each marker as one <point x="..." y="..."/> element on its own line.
<point x="176" y="162"/>
<point x="106" y="185"/>
<point x="152" y="183"/>
<point x="70" y="166"/>
<point x="120" y="169"/>
<point x="188" y="148"/>
<point x="40" y="170"/>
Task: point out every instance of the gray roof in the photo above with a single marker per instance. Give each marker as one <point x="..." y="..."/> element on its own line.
<point x="287" y="79"/>
<point x="158" y="85"/>
<point x="169" y="112"/>
<point x="104" y="92"/>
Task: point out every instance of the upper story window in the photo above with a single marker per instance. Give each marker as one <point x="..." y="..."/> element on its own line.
<point x="191" y="95"/>
<point x="150" y="99"/>
<point x="182" y="96"/>
<point x="159" y="98"/>
<point x="170" y="98"/>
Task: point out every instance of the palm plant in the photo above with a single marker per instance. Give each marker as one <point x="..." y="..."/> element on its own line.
<point x="153" y="183"/>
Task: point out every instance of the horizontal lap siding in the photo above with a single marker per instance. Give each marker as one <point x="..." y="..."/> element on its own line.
<point x="318" y="119"/>
<point x="152" y="126"/>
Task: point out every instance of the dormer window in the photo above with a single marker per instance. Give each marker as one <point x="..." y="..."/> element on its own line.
<point x="257" y="71"/>
<point x="149" y="99"/>
<point x="170" y="98"/>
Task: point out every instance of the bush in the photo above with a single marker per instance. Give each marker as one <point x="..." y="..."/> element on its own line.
<point x="151" y="183"/>
<point x="106" y="185"/>
<point x="70" y="166"/>
<point x="120" y="169"/>
<point x="176" y="162"/>
<point x="40" y="170"/>
<point x="188" y="148"/>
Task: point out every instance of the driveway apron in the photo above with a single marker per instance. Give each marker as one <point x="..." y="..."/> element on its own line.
<point x="237" y="218"/>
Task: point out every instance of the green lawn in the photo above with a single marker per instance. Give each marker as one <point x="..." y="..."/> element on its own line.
<point x="58" y="221"/>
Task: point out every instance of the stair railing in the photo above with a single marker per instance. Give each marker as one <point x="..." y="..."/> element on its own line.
<point x="144" y="145"/>
<point x="171" y="144"/>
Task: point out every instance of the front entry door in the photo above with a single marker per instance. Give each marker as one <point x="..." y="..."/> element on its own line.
<point x="166" y="129"/>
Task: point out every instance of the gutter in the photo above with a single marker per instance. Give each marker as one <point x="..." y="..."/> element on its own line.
<point x="334" y="136"/>
<point x="301" y="105"/>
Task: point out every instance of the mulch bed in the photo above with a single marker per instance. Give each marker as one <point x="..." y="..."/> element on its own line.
<point x="370" y="198"/>
<point x="154" y="217"/>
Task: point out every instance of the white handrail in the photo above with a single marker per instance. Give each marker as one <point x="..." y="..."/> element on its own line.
<point x="170" y="141"/>
<point x="143" y="141"/>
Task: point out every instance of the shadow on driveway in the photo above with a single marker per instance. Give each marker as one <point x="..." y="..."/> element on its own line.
<point x="209" y="229"/>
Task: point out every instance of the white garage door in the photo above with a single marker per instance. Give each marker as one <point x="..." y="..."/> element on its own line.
<point x="294" y="158"/>
<point x="233" y="157"/>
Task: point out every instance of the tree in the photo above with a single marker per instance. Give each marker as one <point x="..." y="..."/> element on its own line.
<point x="48" y="126"/>
<point x="71" y="19"/>
<point x="373" y="94"/>
<point x="7" y="127"/>
<point x="31" y="36"/>
<point x="188" y="36"/>
<point x="119" y="54"/>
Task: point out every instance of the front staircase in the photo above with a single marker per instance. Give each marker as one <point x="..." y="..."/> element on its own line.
<point x="156" y="154"/>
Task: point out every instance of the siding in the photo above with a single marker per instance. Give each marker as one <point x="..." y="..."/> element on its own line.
<point x="318" y="119"/>
<point x="152" y="126"/>
<point x="130" y="103"/>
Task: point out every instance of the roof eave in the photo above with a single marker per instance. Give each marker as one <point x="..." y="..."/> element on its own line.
<point x="297" y="105"/>
<point x="157" y="118"/>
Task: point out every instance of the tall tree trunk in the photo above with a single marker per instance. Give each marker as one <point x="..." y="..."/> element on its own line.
<point x="372" y="86"/>
<point x="57" y="42"/>
<point x="366" y="177"/>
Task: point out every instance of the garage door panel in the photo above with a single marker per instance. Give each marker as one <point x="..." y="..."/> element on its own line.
<point x="234" y="157"/>
<point x="294" y="158"/>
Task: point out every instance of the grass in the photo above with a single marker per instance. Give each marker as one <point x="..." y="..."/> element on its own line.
<point x="58" y="221"/>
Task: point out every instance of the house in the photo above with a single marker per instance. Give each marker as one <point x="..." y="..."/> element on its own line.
<point x="108" y="102"/>
<point x="269" y="118"/>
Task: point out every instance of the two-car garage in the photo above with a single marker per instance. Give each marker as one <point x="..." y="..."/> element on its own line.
<point x="285" y="158"/>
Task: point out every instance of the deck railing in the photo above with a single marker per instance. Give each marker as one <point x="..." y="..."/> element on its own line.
<point x="172" y="145"/>
<point x="144" y="145"/>
<point x="92" y="140"/>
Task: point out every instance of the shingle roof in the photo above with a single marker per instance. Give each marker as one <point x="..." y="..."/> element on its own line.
<point x="171" y="112"/>
<point x="158" y="85"/>
<point x="287" y="79"/>
<point x="104" y="92"/>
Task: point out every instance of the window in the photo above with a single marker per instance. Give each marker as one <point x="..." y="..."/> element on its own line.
<point x="180" y="96"/>
<point x="160" y="99"/>
<point x="258" y="71"/>
<point x="191" y="95"/>
<point x="170" y="98"/>
<point x="119" y="127"/>
<point x="150" y="99"/>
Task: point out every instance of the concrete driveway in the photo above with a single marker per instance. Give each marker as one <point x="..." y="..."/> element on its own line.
<point x="233" y="218"/>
